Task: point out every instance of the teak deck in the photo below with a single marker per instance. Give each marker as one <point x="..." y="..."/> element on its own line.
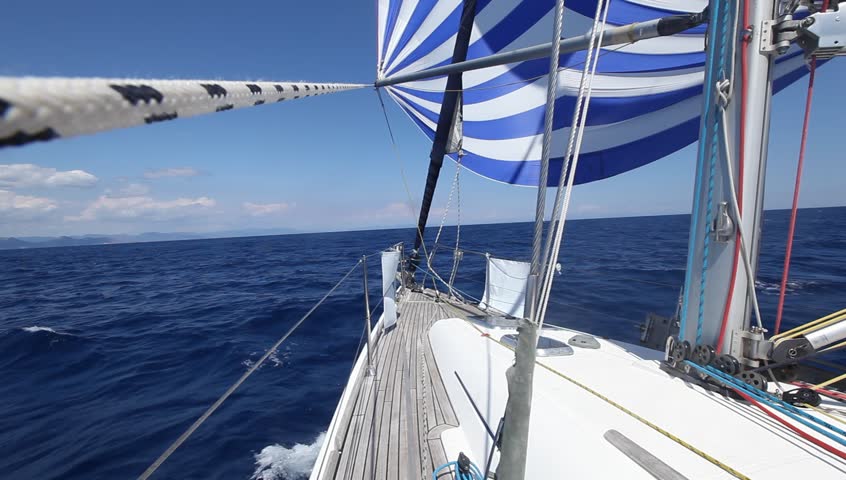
<point x="393" y="429"/>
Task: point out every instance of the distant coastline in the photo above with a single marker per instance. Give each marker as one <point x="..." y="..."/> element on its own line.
<point x="26" y="242"/>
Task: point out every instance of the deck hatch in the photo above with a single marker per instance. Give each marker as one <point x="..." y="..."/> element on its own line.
<point x="547" y="346"/>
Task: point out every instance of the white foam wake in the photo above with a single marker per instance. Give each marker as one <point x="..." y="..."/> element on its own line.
<point x="276" y="462"/>
<point x="36" y="328"/>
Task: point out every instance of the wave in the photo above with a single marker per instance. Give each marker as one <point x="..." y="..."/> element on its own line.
<point x="273" y="359"/>
<point x="276" y="462"/>
<point x="36" y="328"/>
<point x="793" y="286"/>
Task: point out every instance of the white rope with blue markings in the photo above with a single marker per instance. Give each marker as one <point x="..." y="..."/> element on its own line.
<point x="38" y="109"/>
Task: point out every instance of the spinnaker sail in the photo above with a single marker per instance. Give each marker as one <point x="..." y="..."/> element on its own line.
<point x="646" y="95"/>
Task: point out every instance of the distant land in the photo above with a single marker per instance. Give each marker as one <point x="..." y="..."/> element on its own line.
<point x="11" y="243"/>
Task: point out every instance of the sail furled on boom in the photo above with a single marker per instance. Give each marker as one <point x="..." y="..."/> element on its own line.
<point x="646" y="95"/>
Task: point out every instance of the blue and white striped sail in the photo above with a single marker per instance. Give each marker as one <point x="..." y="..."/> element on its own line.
<point x="646" y="97"/>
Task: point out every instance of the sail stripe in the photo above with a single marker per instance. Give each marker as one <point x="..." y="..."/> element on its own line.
<point x="443" y="12"/>
<point x="393" y="11"/>
<point x="421" y="11"/>
<point x="646" y="96"/>
<point x="443" y="32"/>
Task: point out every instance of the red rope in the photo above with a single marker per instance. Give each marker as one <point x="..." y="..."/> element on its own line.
<point x="740" y="159"/>
<point x="793" y="211"/>
<point x="806" y="436"/>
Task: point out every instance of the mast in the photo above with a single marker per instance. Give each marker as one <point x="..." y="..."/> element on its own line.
<point x="446" y="120"/>
<point x="718" y="301"/>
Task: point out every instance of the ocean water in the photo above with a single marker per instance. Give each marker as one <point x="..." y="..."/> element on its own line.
<point x="107" y="353"/>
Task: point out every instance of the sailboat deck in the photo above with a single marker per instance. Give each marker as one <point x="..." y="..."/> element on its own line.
<point x="393" y="429"/>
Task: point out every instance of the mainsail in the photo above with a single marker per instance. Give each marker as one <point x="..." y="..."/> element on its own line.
<point x="646" y="96"/>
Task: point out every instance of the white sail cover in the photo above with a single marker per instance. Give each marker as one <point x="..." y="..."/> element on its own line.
<point x="505" y="286"/>
<point x="390" y="262"/>
<point x="646" y="96"/>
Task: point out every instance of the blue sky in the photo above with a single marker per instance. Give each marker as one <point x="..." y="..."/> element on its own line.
<point x="321" y="163"/>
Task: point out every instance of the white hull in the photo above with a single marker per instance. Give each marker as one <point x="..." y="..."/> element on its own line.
<point x="569" y="423"/>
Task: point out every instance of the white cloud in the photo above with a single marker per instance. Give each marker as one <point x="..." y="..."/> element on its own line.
<point x="131" y="190"/>
<point x="395" y="210"/>
<point x="23" y="175"/>
<point x="172" y="172"/>
<point x="12" y="203"/>
<point x="140" y="206"/>
<point x="260" y="209"/>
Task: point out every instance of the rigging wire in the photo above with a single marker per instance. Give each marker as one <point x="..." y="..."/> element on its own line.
<point x="744" y="252"/>
<point x="361" y="342"/>
<point x="793" y="210"/>
<point x="456" y="254"/>
<point x="454" y="190"/>
<point x="405" y="184"/>
<point x="395" y="149"/>
<point x="179" y="441"/>
<point x="537" y="267"/>
<point x="574" y="144"/>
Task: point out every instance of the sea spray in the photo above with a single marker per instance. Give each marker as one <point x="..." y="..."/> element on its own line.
<point x="276" y="462"/>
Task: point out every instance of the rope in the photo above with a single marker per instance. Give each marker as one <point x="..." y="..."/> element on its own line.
<point x="822" y="411"/>
<point x="549" y="114"/>
<point x="694" y="233"/>
<point x="455" y="189"/>
<point x="738" y="238"/>
<point x="793" y="210"/>
<point x="39" y="109"/>
<point x="405" y="184"/>
<point x="712" y="164"/>
<point x="834" y="347"/>
<point x="362" y="341"/>
<point x="179" y="441"/>
<point x="829" y="382"/>
<point x="574" y="145"/>
<point x="776" y="403"/>
<point x="787" y="424"/>
<point x="813" y="326"/>
<point x="744" y="252"/>
<point x="628" y="412"/>
<point x="456" y="254"/>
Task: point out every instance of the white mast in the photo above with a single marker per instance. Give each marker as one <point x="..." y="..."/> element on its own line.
<point x="716" y="270"/>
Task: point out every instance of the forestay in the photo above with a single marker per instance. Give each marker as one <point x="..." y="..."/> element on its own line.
<point x="646" y="96"/>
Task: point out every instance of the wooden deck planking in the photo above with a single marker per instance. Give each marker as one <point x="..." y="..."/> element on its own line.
<point x="397" y="415"/>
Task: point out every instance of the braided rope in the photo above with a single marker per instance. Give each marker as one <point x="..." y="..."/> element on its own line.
<point x="38" y="109"/>
<point x="571" y="161"/>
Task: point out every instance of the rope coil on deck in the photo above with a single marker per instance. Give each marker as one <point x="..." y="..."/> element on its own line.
<point x="39" y="109"/>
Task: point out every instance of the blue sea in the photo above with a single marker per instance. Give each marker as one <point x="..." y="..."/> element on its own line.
<point x="107" y="353"/>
